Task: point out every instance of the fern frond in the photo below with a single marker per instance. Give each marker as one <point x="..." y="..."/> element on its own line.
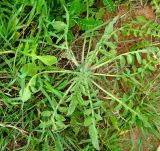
<point x="142" y="27"/>
<point x="86" y="24"/>
<point x="110" y="5"/>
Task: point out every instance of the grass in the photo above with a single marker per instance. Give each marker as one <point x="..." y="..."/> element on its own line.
<point x="60" y="91"/>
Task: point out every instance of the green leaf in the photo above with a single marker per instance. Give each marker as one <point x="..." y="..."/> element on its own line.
<point x="86" y="24"/>
<point x="139" y="59"/>
<point x="60" y="125"/>
<point x="110" y="45"/>
<point x="100" y="14"/>
<point x="109" y="28"/>
<point x="58" y="145"/>
<point x="98" y="117"/>
<point x="59" y="25"/>
<point x="47" y="60"/>
<point x="33" y="84"/>
<point x="31" y="14"/>
<point x="63" y="110"/>
<point x="158" y="54"/>
<point x="47" y="113"/>
<point x="26" y="95"/>
<point x="57" y="93"/>
<point x="72" y="106"/>
<point x="60" y="117"/>
<point x="45" y="124"/>
<point x="88" y="121"/>
<point x="114" y="122"/>
<point x="122" y="61"/>
<point x="88" y="111"/>
<point x="145" y="121"/>
<point x="94" y="136"/>
<point x="141" y="19"/>
<point x="51" y="89"/>
<point x="76" y="7"/>
<point x="129" y="59"/>
<point x="89" y="2"/>
<point x="26" y="48"/>
<point x="29" y="69"/>
<point x="151" y="67"/>
<point x="110" y="5"/>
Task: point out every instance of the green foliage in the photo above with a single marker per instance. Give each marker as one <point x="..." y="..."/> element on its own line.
<point x="156" y="6"/>
<point x="86" y="24"/>
<point x="110" y="5"/>
<point x="76" y="8"/>
<point x="142" y="27"/>
<point x="89" y="102"/>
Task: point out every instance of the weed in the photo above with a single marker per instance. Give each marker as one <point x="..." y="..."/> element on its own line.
<point x="94" y="102"/>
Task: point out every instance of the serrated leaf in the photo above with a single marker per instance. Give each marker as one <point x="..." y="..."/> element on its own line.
<point x="110" y="5"/>
<point x="94" y="136"/>
<point x="47" y="113"/>
<point x="86" y="24"/>
<point x="72" y="106"/>
<point x="47" y="60"/>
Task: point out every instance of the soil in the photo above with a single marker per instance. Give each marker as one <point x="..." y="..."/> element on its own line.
<point x="126" y="15"/>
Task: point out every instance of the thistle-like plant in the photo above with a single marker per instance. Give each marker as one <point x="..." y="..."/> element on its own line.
<point x="88" y="103"/>
<point x="92" y="89"/>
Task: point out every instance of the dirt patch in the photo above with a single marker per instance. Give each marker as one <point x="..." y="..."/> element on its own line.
<point x="138" y="141"/>
<point x="146" y="11"/>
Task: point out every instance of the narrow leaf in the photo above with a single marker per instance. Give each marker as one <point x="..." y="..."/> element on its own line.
<point x="72" y="106"/>
<point x="129" y="59"/>
<point x="122" y="61"/>
<point x="139" y="59"/>
<point x="47" y="113"/>
<point x="94" y="136"/>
